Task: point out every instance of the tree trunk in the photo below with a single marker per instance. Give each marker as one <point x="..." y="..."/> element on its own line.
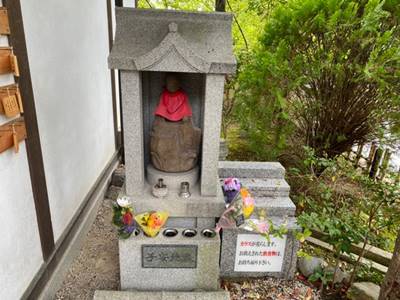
<point x="220" y="5"/>
<point x="390" y="289"/>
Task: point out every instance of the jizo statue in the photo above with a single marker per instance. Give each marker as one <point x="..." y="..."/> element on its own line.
<point x="174" y="140"/>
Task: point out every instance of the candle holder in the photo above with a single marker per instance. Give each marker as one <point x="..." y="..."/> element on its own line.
<point x="185" y="192"/>
<point x="160" y="190"/>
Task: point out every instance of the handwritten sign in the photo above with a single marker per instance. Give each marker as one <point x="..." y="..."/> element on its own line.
<point x="254" y="253"/>
<point x="169" y="256"/>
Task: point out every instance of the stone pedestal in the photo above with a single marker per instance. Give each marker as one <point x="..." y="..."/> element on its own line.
<point x="175" y="263"/>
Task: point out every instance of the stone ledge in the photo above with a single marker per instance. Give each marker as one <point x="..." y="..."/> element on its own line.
<point x="141" y="295"/>
<point x="276" y="206"/>
<point x="251" y="169"/>
<point x="259" y="187"/>
<point x="195" y="206"/>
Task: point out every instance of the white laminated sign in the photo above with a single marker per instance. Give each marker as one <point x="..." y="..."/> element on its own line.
<point x="254" y="253"/>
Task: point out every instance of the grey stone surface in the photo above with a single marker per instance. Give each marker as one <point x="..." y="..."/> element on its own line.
<point x="251" y="169"/>
<point x="118" y="177"/>
<point x="309" y="265"/>
<point x="141" y="295"/>
<point x="340" y="276"/>
<point x="195" y="206"/>
<point x="363" y="291"/>
<point x="276" y="206"/>
<point x="214" y="89"/>
<point x="176" y="41"/>
<point x="181" y="222"/>
<point x="265" y="187"/>
<point x="228" y="252"/>
<point x="172" y="180"/>
<point x="205" y="276"/>
<point x="131" y="89"/>
<point x="223" y="150"/>
<point x="205" y="223"/>
<point x="113" y="192"/>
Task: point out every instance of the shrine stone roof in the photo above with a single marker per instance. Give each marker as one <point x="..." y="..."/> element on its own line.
<point x="172" y="41"/>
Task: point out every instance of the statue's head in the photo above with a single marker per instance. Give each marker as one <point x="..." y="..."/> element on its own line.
<point x="172" y="82"/>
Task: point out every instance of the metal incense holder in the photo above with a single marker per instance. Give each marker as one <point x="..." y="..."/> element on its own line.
<point x="185" y="192"/>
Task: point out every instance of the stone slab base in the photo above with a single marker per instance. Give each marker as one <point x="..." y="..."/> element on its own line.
<point x="202" y="275"/>
<point x="172" y="180"/>
<point x="141" y="295"/>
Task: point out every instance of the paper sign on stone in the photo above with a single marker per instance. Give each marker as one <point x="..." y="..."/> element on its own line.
<point x="254" y="253"/>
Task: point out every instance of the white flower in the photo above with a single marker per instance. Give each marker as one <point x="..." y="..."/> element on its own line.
<point x="124" y="201"/>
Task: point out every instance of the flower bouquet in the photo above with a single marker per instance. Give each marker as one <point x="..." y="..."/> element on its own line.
<point x="123" y="217"/>
<point x="240" y="208"/>
<point x="152" y="222"/>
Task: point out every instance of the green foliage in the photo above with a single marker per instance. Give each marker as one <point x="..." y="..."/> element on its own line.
<point x="325" y="74"/>
<point x="321" y="274"/>
<point x="345" y="204"/>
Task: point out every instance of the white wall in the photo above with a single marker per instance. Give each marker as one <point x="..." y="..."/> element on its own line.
<point x="67" y="45"/>
<point x="20" y="250"/>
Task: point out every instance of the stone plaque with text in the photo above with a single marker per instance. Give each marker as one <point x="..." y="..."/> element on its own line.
<point x="169" y="256"/>
<point x="254" y="253"/>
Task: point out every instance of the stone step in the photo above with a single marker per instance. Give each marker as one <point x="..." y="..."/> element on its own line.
<point x="144" y="295"/>
<point x="259" y="187"/>
<point x="276" y="206"/>
<point x="251" y="169"/>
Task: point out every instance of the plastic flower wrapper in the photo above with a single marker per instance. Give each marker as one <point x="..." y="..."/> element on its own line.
<point x="256" y="225"/>
<point x="152" y="222"/>
<point x="123" y="217"/>
<point x="231" y="188"/>
<point x="240" y="209"/>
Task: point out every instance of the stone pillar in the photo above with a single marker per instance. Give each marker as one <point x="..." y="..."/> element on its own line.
<point x="132" y="113"/>
<point x="214" y="92"/>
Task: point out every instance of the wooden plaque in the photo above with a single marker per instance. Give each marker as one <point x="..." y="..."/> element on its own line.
<point x="8" y="90"/>
<point x="8" y="61"/>
<point x="10" y="106"/>
<point x="4" y="26"/>
<point x="7" y="139"/>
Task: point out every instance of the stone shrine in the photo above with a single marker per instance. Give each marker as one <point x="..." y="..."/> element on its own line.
<point x="195" y="48"/>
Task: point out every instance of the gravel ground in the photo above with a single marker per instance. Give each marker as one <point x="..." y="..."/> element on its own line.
<point x="97" y="267"/>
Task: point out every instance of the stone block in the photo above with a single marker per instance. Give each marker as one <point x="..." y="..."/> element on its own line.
<point x="251" y="169"/>
<point x="276" y="206"/>
<point x="229" y="247"/>
<point x="309" y="265"/>
<point x="142" y="266"/>
<point x="118" y="177"/>
<point x="131" y="94"/>
<point x="172" y="180"/>
<point x="141" y="295"/>
<point x="214" y="89"/>
<point x="260" y="187"/>
<point x="195" y="206"/>
<point x="181" y="222"/>
<point x="205" y="223"/>
<point x="363" y="291"/>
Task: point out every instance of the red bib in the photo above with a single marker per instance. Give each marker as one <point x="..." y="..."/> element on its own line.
<point x="174" y="106"/>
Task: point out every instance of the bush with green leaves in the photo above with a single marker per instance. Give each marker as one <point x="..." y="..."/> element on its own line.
<point x="326" y="75"/>
<point x="345" y="204"/>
